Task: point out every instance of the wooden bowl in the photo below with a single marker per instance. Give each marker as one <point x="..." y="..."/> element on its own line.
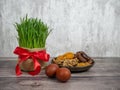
<point x="78" y="69"/>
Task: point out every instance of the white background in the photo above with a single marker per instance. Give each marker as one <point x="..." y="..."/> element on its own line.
<point x="92" y="26"/>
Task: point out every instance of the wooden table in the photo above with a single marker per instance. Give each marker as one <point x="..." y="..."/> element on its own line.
<point x="104" y="75"/>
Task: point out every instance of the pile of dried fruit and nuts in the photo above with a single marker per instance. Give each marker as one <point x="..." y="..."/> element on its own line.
<point x="69" y="59"/>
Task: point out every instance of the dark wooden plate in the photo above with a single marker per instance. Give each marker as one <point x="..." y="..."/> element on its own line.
<point x="79" y="69"/>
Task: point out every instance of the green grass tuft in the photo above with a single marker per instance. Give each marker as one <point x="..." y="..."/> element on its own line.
<point x="32" y="32"/>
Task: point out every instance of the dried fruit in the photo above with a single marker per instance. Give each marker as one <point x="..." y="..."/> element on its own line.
<point x="70" y="59"/>
<point x="83" y="64"/>
<point x="80" y="57"/>
<point x="68" y="55"/>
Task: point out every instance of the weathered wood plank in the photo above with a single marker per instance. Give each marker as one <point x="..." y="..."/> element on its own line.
<point x="40" y="83"/>
<point x="102" y="67"/>
<point x="104" y="75"/>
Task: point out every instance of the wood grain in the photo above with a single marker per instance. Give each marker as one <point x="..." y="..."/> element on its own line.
<point x="92" y="26"/>
<point x="104" y="75"/>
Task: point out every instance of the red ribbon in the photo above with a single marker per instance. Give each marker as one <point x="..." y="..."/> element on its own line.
<point x="24" y="54"/>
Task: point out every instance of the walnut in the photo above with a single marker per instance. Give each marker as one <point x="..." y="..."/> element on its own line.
<point x="59" y="62"/>
<point x="70" y="62"/>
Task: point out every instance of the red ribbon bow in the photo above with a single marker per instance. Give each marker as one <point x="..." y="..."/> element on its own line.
<point x="24" y="54"/>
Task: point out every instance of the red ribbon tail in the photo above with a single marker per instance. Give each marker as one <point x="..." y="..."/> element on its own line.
<point x="18" y="70"/>
<point x="37" y="68"/>
<point x="47" y="56"/>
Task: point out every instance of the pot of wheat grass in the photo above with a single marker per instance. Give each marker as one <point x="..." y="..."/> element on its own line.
<point x="32" y="35"/>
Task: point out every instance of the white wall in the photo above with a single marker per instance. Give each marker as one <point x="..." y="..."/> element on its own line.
<point x="89" y="25"/>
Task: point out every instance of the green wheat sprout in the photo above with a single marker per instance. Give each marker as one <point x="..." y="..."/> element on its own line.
<point x="32" y="32"/>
